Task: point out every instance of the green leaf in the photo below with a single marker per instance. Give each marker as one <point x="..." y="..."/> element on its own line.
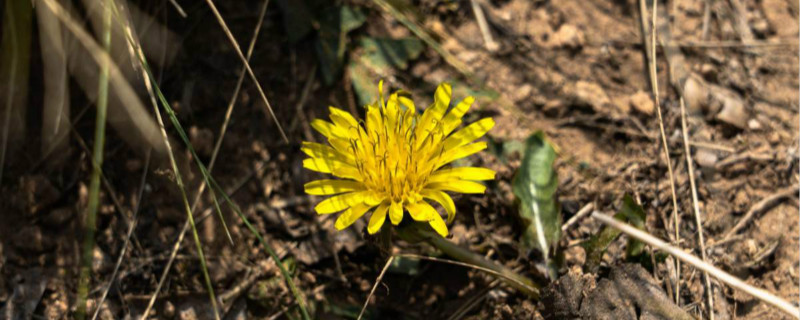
<point x="595" y="247"/>
<point x="378" y="58"/>
<point x="535" y="185"/>
<point x="635" y="216"/>
<point x="335" y="23"/>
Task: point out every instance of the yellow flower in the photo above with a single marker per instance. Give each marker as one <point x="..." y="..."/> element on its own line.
<point x="396" y="160"/>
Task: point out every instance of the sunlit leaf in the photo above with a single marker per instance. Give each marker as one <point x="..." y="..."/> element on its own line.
<point x="535" y="185"/>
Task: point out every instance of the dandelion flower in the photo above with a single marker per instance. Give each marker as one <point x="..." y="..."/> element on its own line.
<point x="396" y="161"/>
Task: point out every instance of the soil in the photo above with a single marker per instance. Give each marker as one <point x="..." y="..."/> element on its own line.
<point x="576" y="70"/>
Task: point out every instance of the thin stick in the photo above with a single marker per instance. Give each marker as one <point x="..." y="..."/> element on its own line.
<point x="706" y="145"/>
<point x="585" y="211"/>
<point x="722" y="276"/>
<point x="698" y="221"/>
<point x="654" y="85"/>
<point x="375" y="286"/>
<point x="127" y="239"/>
<point x="247" y="66"/>
<point x="761" y="206"/>
<point x="178" y="8"/>
<point x="488" y="41"/>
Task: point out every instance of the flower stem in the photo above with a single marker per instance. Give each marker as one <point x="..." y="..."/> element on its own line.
<point x="421" y="232"/>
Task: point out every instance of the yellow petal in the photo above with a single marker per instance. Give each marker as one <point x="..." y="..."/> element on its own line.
<point x="321" y="151"/>
<point x="438" y="224"/>
<point x="471" y="132"/>
<point x="343" y="119"/>
<point x="342" y="145"/>
<point x="377" y="218"/>
<point x="396" y="212"/>
<point x="453" y="118"/>
<point x="327" y="129"/>
<point x="460" y="152"/>
<point x="462" y="173"/>
<point x="338" y="203"/>
<point x="374" y="123"/>
<point x="444" y="200"/>
<point x="351" y="215"/>
<point x="433" y="114"/>
<point x="380" y="93"/>
<point x="421" y="211"/>
<point x="337" y="168"/>
<point x="457" y="186"/>
<point x="330" y="187"/>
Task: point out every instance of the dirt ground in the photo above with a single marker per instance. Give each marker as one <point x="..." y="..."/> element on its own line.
<point x="577" y="70"/>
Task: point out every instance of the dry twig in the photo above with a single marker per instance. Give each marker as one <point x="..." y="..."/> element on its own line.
<point x="722" y="276"/>
<point x="651" y="55"/>
<point x="696" y="206"/>
<point x="763" y="205"/>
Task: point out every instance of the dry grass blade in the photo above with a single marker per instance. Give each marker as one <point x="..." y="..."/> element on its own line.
<point x="375" y="286"/>
<point x="651" y="55"/>
<point x="722" y="276"/>
<point x="696" y="206"/>
<point x="212" y="162"/>
<point x="247" y="67"/>
<point x="156" y="91"/>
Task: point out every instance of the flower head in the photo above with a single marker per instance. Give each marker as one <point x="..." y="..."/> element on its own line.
<point x="397" y="160"/>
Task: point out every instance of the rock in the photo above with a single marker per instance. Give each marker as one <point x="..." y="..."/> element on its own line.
<point x="57" y="217"/>
<point x="187" y="313"/>
<point x="708" y="70"/>
<point x="589" y="94"/>
<point x="30" y="238"/>
<point x="623" y="104"/>
<point x="642" y="102"/>
<point x="567" y="36"/>
<point x="706" y="158"/>
<point x="553" y="107"/>
<point x="101" y="262"/>
<point x="695" y="95"/>
<point x="523" y="92"/>
<point x="753" y="124"/>
<point x="168" y="310"/>
<point x="733" y="111"/>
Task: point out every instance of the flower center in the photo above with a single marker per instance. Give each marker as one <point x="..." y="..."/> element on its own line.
<point x="389" y="157"/>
